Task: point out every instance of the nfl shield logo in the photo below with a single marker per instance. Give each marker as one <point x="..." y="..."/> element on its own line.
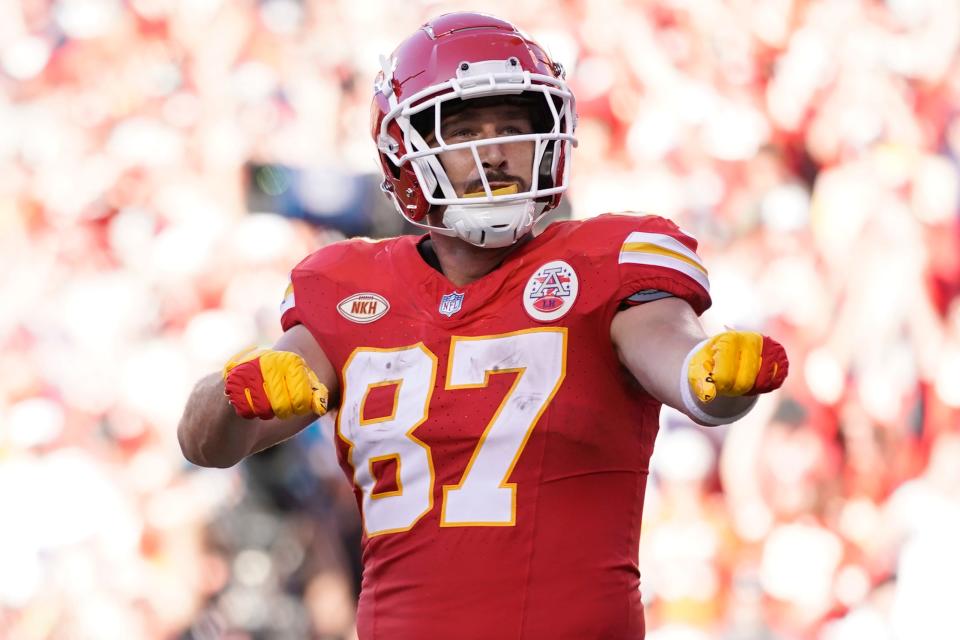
<point x="451" y="303"/>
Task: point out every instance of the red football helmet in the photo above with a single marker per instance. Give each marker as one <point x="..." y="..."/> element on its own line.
<point x="458" y="57"/>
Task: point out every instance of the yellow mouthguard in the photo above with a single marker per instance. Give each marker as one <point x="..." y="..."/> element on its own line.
<point x="502" y="191"/>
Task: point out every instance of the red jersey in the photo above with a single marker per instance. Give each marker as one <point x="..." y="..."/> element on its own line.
<point x="497" y="447"/>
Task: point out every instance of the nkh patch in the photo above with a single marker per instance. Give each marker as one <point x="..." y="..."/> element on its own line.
<point x="363" y="307"/>
<point x="551" y="291"/>
<point x="451" y="303"/>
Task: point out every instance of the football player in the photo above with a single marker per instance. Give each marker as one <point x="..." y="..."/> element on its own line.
<point x="497" y="393"/>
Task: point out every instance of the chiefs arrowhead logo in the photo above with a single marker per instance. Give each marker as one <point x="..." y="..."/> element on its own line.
<point x="363" y="307"/>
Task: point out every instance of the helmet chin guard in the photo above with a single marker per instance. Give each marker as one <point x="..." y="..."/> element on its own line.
<point x="492" y="226"/>
<point x="453" y="59"/>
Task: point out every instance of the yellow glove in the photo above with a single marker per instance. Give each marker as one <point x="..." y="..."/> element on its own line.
<point x="263" y="383"/>
<point x="737" y="363"/>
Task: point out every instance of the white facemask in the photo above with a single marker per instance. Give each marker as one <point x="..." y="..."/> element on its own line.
<point x="490" y="218"/>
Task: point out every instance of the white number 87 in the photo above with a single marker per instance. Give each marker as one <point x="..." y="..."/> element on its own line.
<point x="483" y="497"/>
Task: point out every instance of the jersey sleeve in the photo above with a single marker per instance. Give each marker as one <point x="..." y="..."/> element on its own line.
<point x="313" y="282"/>
<point x="654" y="259"/>
<point x="304" y="281"/>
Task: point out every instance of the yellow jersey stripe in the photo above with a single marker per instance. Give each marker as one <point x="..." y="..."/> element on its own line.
<point x="669" y="262"/>
<point x="289" y="300"/>
<point x="649" y="247"/>
<point x="663" y="241"/>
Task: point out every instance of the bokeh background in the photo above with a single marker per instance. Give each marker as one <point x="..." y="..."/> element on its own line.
<point x="165" y="163"/>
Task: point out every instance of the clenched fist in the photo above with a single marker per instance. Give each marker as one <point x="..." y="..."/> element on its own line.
<point x="263" y="383"/>
<point x="737" y="363"/>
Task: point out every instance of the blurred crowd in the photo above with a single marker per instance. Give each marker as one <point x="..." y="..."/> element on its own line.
<point x="811" y="146"/>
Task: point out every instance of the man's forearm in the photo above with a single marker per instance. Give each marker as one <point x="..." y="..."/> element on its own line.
<point x="655" y="341"/>
<point x="211" y="434"/>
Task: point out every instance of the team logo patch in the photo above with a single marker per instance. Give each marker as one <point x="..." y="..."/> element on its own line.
<point x="451" y="303"/>
<point x="551" y="291"/>
<point x="363" y="307"/>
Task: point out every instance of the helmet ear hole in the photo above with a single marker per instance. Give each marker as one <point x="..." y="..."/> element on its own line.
<point x="545" y="170"/>
<point x="390" y="168"/>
